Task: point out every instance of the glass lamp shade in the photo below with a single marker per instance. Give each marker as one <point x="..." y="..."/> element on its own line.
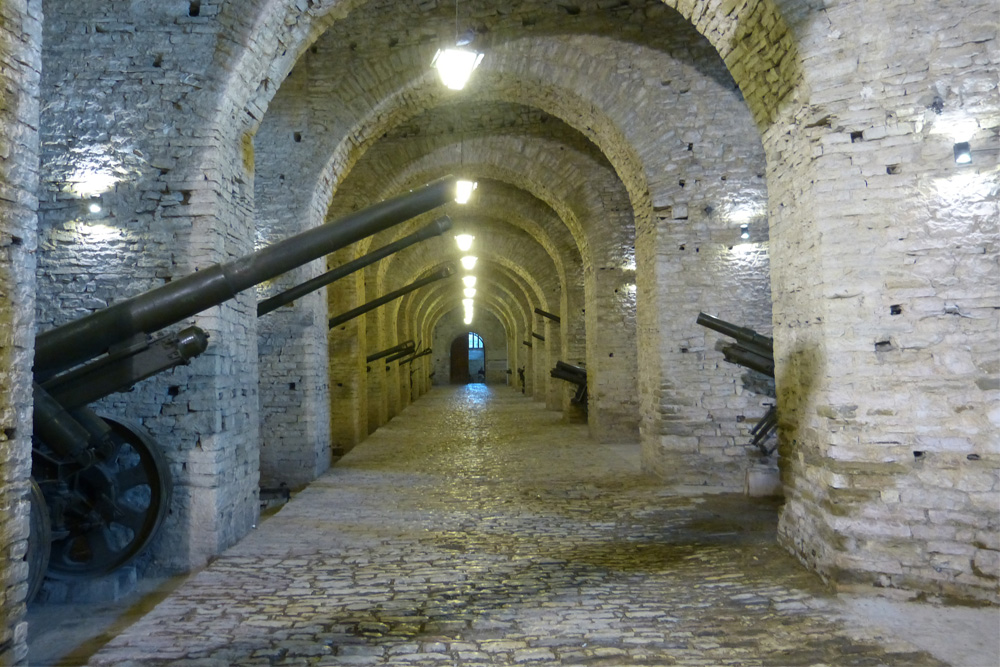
<point x="463" y="191"/>
<point x="455" y="65"/>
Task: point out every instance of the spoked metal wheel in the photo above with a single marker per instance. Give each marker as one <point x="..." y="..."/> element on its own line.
<point x="39" y="541"/>
<point x="111" y="510"/>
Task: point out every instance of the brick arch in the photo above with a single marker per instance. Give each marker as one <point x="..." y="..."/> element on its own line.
<point x="753" y="40"/>
<point x="499" y="277"/>
<point x="493" y="244"/>
<point x="435" y="302"/>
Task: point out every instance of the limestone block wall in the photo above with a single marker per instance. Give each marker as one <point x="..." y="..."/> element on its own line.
<point x="885" y="316"/>
<point x="348" y="371"/>
<point x="132" y="118"/>
<point x="292" y="342"/>
<point x="20" y="64"/>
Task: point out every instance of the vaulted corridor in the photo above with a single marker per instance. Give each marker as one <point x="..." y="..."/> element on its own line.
<point x="476" y="528"/>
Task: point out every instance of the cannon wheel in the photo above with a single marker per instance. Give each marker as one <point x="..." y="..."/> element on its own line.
<point x="39" y="540"/>
<point x="113" y="508"/>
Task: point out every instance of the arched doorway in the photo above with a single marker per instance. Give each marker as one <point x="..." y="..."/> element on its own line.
<point x="468" y="359"/>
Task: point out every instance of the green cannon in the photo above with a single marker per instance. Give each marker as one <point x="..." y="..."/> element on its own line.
<point x="100" y="486"/>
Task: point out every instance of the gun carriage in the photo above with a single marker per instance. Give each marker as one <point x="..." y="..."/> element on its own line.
<point x="100" y="486"/>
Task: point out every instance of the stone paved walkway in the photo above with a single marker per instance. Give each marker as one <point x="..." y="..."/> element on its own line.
<point x="476" y="529"/>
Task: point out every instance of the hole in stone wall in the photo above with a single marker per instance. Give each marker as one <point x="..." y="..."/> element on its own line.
<point x="16" y="240"/>
<point x="291" y="385"/>
<point x="194" y="9"/>
<point x="690" y="147"/>
<point x="684" y="350"/>
<point x="158" y="60"/>
<point x="895" y="309"/>
<point x="314" y="50"/>
<point x="10" y="433"/>
<point x="883" y="345"/>
<point x="572" y="10"/>
<point x="893" y="169"/>
<point x="298" y="137"/>
<point x="681" y="248"/>
<point x="972" y="457"/>
<point x="393" y="41"/>
<point x="173" y="391"/>
<point x="681" y="183"/>
<point x="857" y="136"/>
<point x="611" y="354"/>
<point x="918" y="455"/>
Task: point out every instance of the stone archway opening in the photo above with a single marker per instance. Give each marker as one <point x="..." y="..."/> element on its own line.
<point x="468" y="359"/>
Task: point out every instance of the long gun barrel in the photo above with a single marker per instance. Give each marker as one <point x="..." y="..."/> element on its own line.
<point x="422" y="353"/>
<point x="337" y="320"/>
<point x="436" y="228"/>
<point x="750" y="339"/>
<point x="404" y="348"/>
<point x="90" y="336"/>
<point x="543" y="313"/>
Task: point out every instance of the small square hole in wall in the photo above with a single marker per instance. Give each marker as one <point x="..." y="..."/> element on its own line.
<point x="895" y="310"/>
<point x="893" y="169"/>
<point x="194" y="9"/>
<point x="291" y="385"/>
<point x="857" y="136"/>
<point x="173" y="391"/>
<point x="298" y="137"/>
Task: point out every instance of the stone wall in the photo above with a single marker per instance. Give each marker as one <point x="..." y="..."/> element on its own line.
<point x="885" y="305"/>
<point x="132" y="120"/>
<point x="20" y="63"/>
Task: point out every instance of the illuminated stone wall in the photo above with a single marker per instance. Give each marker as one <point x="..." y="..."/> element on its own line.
<point x="20" y="51"/>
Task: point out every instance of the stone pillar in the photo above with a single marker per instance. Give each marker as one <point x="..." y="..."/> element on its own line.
<point x="20" y="42"/>
<point x="348" y="376"/>
<point x="885" y="321"/>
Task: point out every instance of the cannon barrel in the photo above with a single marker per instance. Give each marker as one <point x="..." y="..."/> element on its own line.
<point x="436" y="228"/>
<point x="570" y="368"/>
<point x="543" y="313"/>
<point x="753" y="341"/>
<point x="741" y="356"/>
<point x="422" y="353"/>
<point x="405" y="347"/>
<point x="90" y="336"/>
<point x="441" y="273"/>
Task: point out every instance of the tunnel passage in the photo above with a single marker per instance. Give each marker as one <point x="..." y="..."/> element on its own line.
<point x="476" y="528"/>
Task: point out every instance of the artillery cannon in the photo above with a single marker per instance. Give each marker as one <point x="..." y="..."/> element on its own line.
<point x="756" y="352"/>
<point x="575" y="374"/>
<point x="103" y="487"/>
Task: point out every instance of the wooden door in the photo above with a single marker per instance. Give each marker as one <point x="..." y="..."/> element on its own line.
<point x="460" y="360"/>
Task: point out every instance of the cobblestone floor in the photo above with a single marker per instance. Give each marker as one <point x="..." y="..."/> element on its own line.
<point x="476" y="529"/>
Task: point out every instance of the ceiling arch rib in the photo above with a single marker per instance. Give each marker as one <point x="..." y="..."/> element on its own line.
<point x="496" y="280"/>
<point x="501" y="289"/>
